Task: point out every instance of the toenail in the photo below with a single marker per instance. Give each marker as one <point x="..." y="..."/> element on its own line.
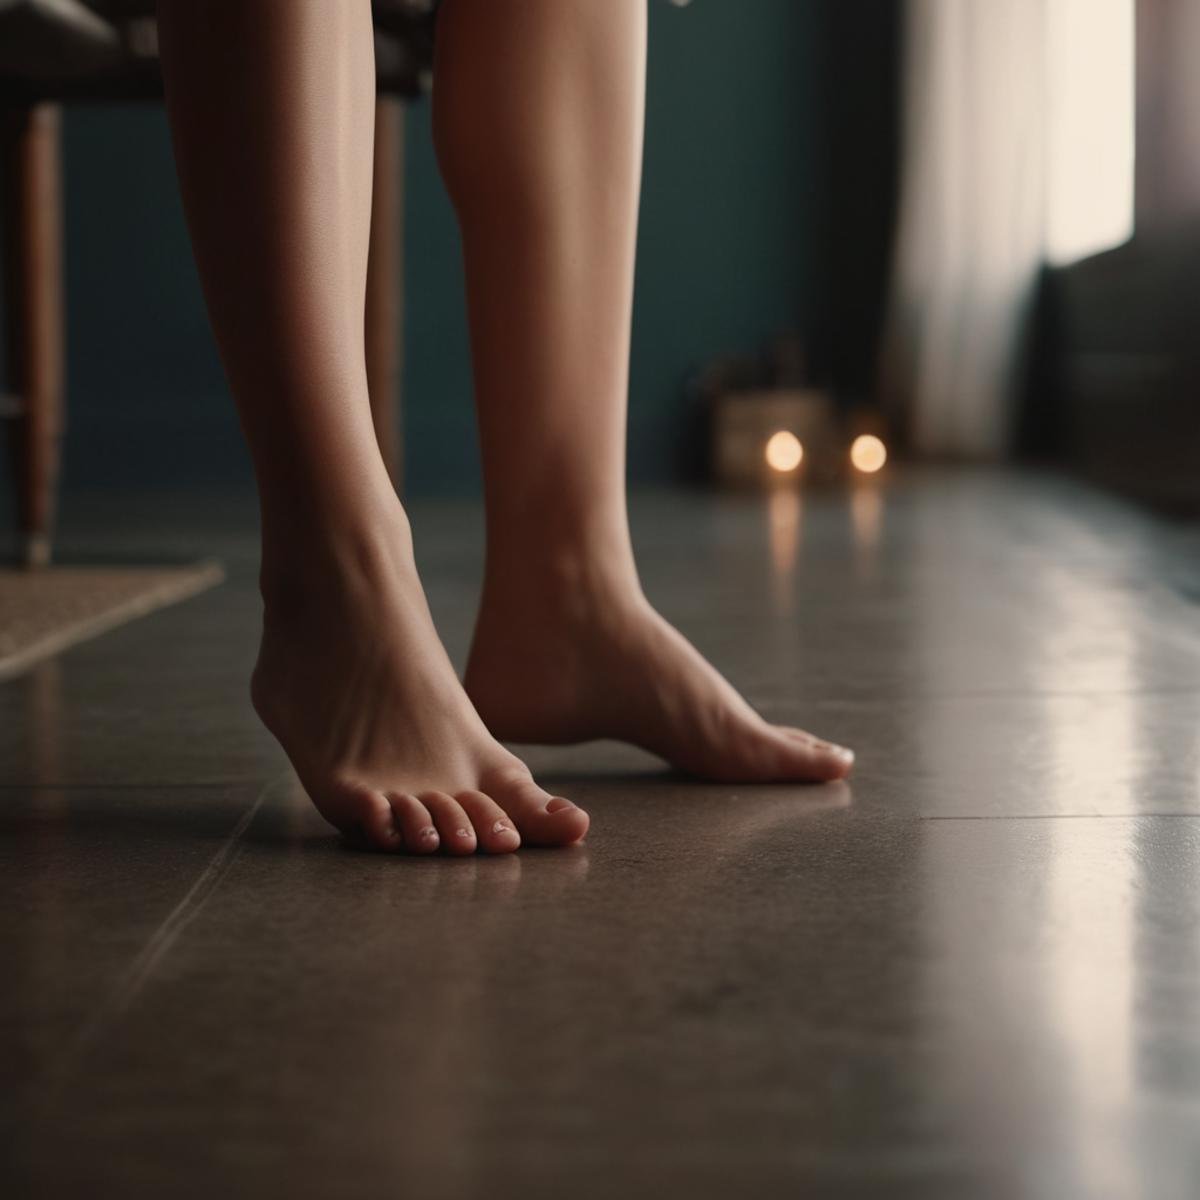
<point x="833" y="748"/>
<point x="500" y="827"/>
<point x="464" y="833"/>
<point x="557" y="804"/>
<point x="429" y="835"/>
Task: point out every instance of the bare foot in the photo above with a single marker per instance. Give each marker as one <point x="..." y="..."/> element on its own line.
<point x="573" y="660"/>
<point x="353" y="681"/>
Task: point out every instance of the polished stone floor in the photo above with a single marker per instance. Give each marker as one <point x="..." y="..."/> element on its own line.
<point x="973" y="971"/>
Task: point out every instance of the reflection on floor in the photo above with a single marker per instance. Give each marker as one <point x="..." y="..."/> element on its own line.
<point x="975" y="970"/>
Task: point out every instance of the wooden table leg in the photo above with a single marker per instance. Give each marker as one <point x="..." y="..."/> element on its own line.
<point x="385" y="281"/>
<point x="34" y="303"/>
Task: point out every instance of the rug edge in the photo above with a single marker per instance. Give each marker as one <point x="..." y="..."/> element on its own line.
<point x="201" y="576"/>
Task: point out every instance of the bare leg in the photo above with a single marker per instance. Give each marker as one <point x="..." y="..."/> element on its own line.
<point x="538" y="108"/>
<point x="271" y="105"/>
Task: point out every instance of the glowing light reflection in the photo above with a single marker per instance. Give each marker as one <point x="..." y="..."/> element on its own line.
<point x="783" y="518"/>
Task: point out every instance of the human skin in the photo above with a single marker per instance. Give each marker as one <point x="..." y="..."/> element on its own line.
<point x="538" y="115"/>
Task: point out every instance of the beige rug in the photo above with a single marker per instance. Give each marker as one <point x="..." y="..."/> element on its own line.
<point x="45" y="610"/>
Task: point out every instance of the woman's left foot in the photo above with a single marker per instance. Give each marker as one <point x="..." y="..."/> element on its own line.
<point x="579" y="662"/>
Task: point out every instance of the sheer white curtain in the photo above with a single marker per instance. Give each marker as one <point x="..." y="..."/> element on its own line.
<point x="972" y="219"/>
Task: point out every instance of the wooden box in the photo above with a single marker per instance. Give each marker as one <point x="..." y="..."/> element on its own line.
<point x="773" y="437"/>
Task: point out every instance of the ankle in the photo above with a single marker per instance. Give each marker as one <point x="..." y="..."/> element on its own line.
<point x="319" y="559"/>
<point x="560" y="580"/>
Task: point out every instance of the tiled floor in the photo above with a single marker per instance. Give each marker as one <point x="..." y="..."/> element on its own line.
<point x="973" y="971"/>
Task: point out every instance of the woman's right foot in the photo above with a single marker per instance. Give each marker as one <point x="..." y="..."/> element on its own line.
<point x="354" y="682"/>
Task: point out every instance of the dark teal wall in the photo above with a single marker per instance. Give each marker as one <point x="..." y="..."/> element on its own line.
<point x="733" y="211"/>
<point x="147" y="400"/>
<point x="728" y="223"/>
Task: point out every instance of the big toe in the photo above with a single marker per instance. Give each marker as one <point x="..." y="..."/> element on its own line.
<point x="811" y="757"/>
<point x="542" y="819"/>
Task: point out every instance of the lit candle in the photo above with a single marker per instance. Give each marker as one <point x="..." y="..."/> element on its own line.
<point x="868" y="453"/>
<point x="783" y="452"/>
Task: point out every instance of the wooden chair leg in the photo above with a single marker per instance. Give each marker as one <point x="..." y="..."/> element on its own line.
<point x="32" y="183"/>
<point x="385" y="281"/>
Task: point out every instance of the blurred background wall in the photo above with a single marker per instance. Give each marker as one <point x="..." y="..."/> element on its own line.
<point x="851" y="176"/>
<point x="767" y="210"/>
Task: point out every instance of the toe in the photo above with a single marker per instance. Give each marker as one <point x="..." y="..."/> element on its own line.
<point x="812" y="757"/>
<point x="453" y="825"/>
<point x="417" y="832"/>
<point x="364" y="817"/>
<point x="542" y="819"/>
<point x="494" y="831"/>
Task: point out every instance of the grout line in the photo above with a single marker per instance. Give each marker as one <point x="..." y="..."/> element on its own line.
<point x="1124" y="816"/>
<point x="167" y="934"/>
<point x="876" y="700"/>
<point x="160" y="942"/>
<point x="205" y="785"/>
